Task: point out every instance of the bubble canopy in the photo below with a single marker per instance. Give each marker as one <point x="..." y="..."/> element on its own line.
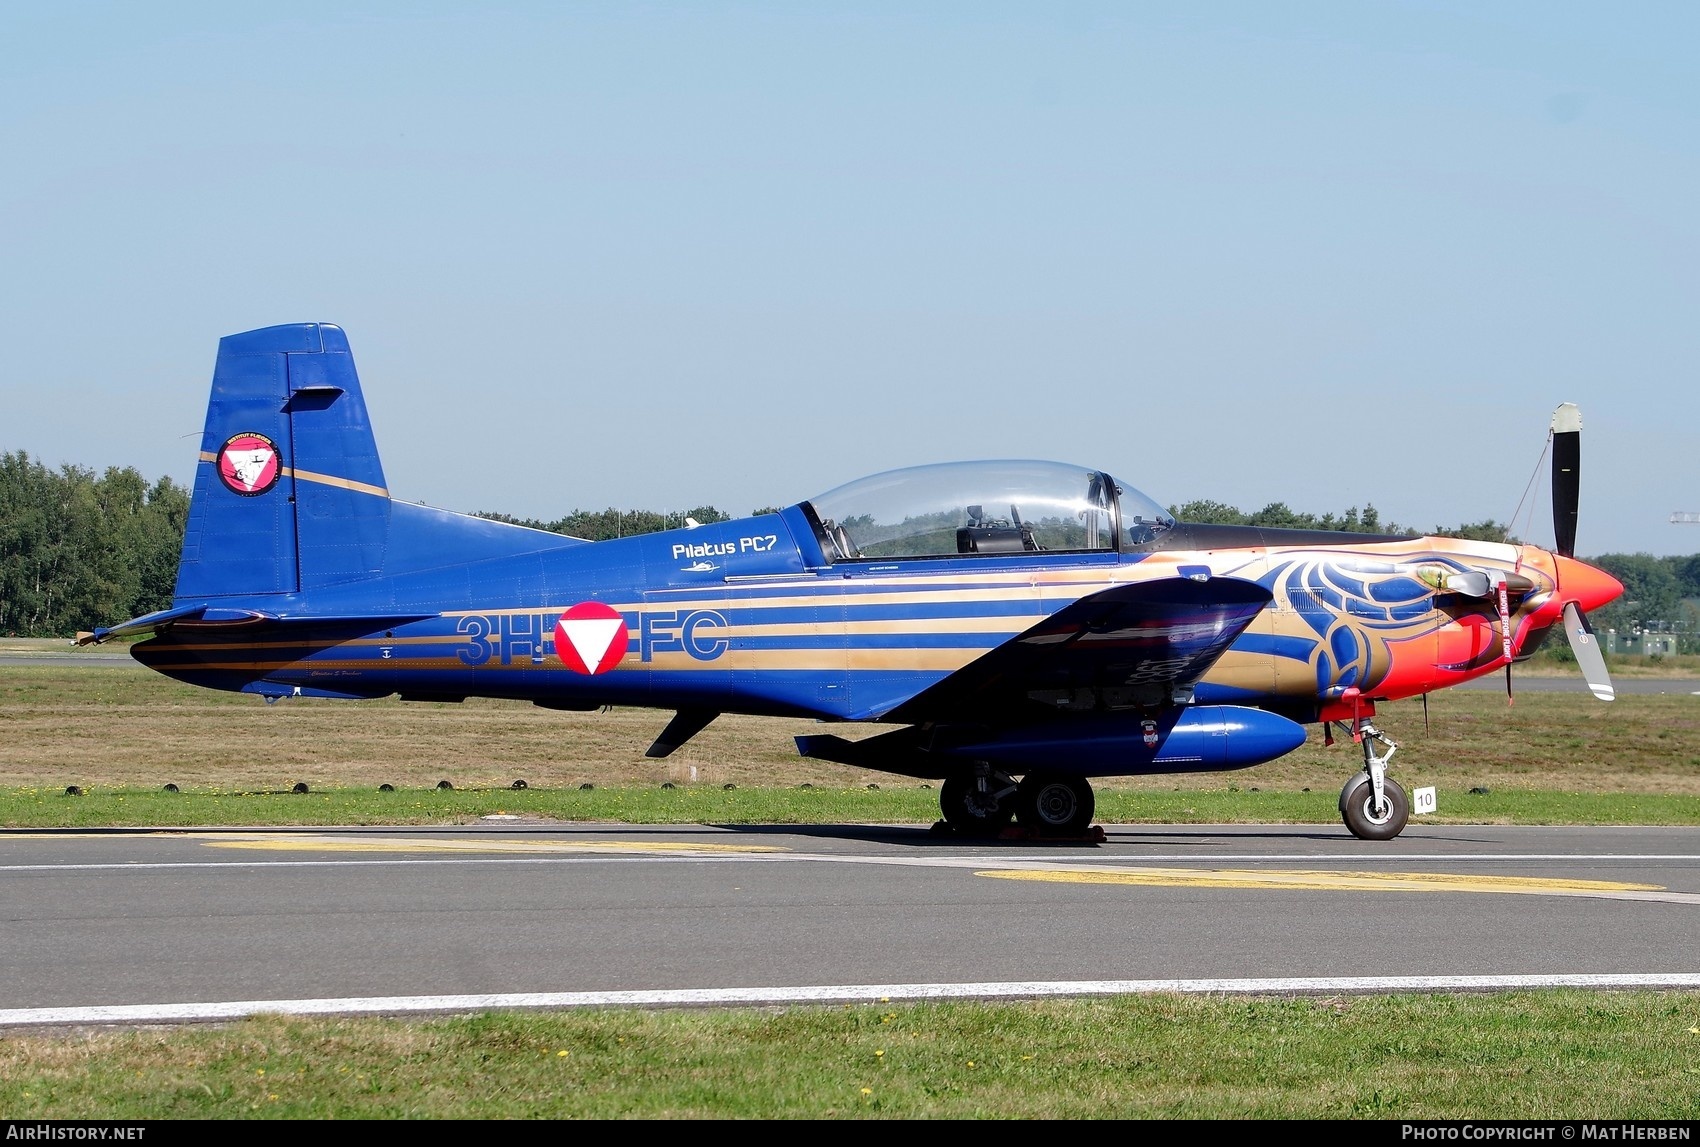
<point x="956" y="508"/>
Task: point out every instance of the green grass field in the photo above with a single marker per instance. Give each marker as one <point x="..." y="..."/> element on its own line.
<point x="120" y="734"/>
<point x="1523" y="1055"/>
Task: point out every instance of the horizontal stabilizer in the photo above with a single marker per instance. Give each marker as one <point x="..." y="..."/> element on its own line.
<point x="164" y="619"/>
<point x="202" y="617"/>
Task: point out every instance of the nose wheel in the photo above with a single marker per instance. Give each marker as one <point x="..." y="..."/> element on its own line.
<point x="1368" y="819"/>
<point x="1373" y="804"/>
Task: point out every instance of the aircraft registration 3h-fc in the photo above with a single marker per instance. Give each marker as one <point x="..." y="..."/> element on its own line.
<point x="1027" y="625"/>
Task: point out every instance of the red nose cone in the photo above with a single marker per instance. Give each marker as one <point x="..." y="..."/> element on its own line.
<point x="1585" y="585"/>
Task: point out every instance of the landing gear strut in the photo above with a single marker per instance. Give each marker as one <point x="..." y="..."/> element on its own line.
<point x="978" y="804"/>
<point x="1372" y="804"/>
<point x="1048" y="805"/>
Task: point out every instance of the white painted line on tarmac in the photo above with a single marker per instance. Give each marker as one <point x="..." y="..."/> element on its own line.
<point x="850" y="993"/>
<point x="814" y="858"/>
<point x="732" y="854"/>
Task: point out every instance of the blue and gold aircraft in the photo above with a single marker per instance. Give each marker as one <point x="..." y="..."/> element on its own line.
<point x="1028" y="625"/>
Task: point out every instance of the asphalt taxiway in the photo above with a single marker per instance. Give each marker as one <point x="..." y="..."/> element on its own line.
<point x="135" y="925"/>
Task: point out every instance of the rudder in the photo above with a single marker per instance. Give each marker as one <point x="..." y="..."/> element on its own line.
<point x="290" y="493"/>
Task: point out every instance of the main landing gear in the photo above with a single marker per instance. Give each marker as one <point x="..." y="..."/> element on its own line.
<point x="982" y="803"/>
<point x="978" y="804"/>
<point x="1372" y="804"/>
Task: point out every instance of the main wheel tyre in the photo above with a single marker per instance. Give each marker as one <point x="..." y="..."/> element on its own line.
<point x="1051" y="805"/>
<point x="1357" y="808"/>
<point x="973" y="811"/>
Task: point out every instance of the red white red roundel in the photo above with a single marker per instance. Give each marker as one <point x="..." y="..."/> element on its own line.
<point x="591" y="637"/>
<point x="248" y="464"/>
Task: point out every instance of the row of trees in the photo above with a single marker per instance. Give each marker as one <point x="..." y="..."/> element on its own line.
<point x="605" y="525"/>
<point x="80" y="549"/>
<point x="1277" y="515"/>
<point x="1659" y="593"/>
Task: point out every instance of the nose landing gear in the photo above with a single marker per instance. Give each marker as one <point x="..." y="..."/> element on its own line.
<point x="1372" y="804"/>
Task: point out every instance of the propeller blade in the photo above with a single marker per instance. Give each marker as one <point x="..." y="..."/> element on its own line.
<point x="1587" y="651"/>
<point x="1566" y="475"/>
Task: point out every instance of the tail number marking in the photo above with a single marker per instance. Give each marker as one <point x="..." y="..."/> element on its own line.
<point x="693" y="631"/>
<point x="591" y="638"/>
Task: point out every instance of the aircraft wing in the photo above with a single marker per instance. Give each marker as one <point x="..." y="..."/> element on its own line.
<point x="1143" y="642"/>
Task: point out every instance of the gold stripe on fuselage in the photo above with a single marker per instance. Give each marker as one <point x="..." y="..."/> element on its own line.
<point x="781" y="660"/>
<point x="998" y="627"/>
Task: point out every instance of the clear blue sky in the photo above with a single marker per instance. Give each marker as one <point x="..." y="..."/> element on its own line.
<point x="657" y="255"/>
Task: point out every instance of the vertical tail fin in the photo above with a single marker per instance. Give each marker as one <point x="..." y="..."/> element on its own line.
<point x="289" y="494"/>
